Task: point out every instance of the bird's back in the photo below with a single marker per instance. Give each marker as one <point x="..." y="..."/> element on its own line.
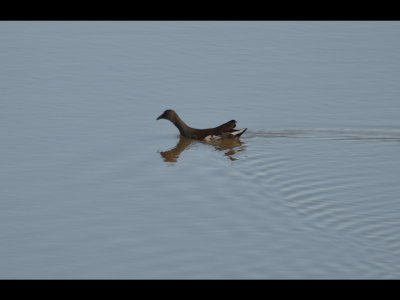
<point x="226" y="127"/>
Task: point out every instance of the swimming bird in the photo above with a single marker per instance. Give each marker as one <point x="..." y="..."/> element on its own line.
<point x="223" y="131"/>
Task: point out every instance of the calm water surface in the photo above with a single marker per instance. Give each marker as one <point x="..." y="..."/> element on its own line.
<point x="92" y="186"/>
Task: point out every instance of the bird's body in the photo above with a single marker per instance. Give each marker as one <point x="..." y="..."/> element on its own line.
<point x="223" y="131"/>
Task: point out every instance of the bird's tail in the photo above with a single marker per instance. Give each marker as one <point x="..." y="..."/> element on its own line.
<point x="238" y="133"/>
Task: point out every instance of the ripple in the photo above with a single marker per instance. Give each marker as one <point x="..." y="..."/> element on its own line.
<point x="383" y="135"/>
<point x="332" y="184"/>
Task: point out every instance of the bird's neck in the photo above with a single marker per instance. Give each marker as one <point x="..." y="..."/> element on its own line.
<point x="184" y="129"/>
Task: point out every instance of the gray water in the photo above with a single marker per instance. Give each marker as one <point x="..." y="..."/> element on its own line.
<point x="92" y="186"/>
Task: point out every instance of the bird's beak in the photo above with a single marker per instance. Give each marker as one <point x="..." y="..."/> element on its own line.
<point x="160" y="117"/>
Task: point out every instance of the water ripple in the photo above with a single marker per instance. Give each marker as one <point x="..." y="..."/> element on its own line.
<point x="383" y="135"/>
<point x="333" y="185"/>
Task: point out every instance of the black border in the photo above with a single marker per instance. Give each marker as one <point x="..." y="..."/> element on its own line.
<point x="201" y="11"/>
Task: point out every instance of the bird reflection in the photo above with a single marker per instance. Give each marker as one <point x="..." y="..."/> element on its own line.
<point x="173" y="154"/>
<point x="231" y="146"/>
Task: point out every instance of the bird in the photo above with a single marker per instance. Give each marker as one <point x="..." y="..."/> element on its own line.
<point x="224" y="131"/>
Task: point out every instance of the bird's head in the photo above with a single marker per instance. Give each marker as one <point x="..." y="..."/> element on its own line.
<point x="167" y="115"/>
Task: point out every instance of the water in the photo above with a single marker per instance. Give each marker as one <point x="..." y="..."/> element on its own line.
<point x="92" y="186"/>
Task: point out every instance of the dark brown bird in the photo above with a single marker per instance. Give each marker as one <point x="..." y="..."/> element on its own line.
<point x="223" y="131"/>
